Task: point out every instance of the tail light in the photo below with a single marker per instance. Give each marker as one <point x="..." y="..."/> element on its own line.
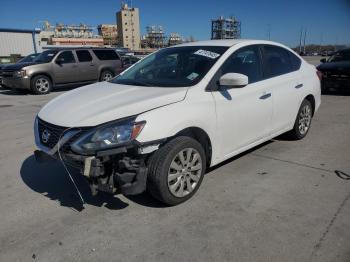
<point x="319" y="74"/>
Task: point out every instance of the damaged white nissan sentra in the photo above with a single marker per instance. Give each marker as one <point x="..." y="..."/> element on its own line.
<point x="162" y="122"/>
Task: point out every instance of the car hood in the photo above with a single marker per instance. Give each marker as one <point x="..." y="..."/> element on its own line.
<point x="334" y="65"/>
<point x="17" y="66"/>
<point x="98" y="103"/>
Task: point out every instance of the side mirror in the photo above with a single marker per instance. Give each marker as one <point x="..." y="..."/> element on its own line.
<point x="60" y="60"/>
<point x="233" y="80"/>
<point x="323" y="60"/>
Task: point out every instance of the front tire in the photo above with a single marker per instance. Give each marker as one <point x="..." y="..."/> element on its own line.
<point x="176" y="170"/>
<point x="41" y="85"/>
<point x="303" y="121"/>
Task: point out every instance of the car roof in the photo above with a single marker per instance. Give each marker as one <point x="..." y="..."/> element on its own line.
<point x="77" y="48"/>
<point x="228" y="42"/>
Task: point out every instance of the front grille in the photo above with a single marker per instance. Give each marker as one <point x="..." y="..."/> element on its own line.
<point x="52" y="133"/>
<point x="7" y="73"/>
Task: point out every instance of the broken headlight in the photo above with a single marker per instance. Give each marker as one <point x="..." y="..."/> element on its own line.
<point x="108" y="136"/>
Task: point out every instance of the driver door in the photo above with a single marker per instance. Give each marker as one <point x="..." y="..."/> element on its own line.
<point x="65" y="68"/>
<point x="243" y="114"/>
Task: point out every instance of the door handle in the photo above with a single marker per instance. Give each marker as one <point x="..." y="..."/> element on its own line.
<point x="92" y="65"/>
<point x="299" y="86"/>
<point x="265" y="96"/>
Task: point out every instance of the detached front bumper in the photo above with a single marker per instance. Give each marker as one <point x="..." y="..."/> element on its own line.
<point x="16" y="82"/>
<point x="119" y="170"/>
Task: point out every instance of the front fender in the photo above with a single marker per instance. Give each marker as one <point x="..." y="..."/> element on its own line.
<point x="167" y="121"/>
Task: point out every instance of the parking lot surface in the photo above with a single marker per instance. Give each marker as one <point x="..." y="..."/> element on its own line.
<point x="282" y="201"/>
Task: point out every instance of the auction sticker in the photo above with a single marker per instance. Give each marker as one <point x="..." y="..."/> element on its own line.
<point x="207" y="53"/>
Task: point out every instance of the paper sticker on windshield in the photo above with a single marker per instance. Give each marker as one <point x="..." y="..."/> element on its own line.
<point x="207" y="53"/>
<point x="50" y="54"/>
<point x="192" y="76"/>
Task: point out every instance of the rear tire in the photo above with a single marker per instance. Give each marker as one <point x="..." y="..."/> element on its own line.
<point x="41" y="85"/>
<point x="106" y="75"/>
<point x="176" y="170"/>
<point x="303" y="121"/>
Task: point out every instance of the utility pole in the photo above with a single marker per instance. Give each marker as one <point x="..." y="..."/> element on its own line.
<point x="304" y="41"/>
<point x="269" y="31"/>
<point x="300" y="39"/>
<point x="321" y="42"/>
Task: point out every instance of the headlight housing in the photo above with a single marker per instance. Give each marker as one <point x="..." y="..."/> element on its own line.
<point x="108" y="136"/>
<point x="20" y="73"/>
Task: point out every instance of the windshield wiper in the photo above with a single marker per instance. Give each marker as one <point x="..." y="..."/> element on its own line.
<point x="134" y="82"/>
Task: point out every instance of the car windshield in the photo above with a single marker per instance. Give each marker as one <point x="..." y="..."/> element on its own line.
<point x="172" y="67"/>
<point x="46" y="56"/>
<point x="29" y="58"/>
<point x="340" y="56"/>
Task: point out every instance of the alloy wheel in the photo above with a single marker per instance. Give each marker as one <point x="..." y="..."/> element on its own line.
<point x="107" y="76"/>
<point x="304" y="119"/>
<point x="184" y="172"/>
<point x="42" y="85"/>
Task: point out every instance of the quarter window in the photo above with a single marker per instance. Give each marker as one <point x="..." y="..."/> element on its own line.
<point x="84" y="56"/>
<point x="245" y="61"/>
<point x="106" y="54"/>
<point x="295" y="61"/>
<point x="276" y="61"/>
<point x="66" y="57"/>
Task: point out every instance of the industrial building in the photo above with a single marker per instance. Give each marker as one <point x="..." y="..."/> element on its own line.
<point x="175" y="39"/>
<point x="16" y="43"/>
<point x="62" y="34"/>
<point x="225" y="28"/>
<point x="155" y="37"/>
<point x="128" y="23"/>
<point x="109" y="34"/>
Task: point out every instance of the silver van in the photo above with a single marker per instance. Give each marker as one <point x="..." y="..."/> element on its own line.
<point x="62" y="66"/>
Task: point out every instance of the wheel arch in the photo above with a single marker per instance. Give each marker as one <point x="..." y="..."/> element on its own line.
<point x="201" y="137"/>
<point x="43" y="74"/>
<point x="106" y="68"/>
<point x="311" y="99"/>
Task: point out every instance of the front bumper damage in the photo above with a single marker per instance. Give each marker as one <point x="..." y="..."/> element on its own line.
<point x="119" y="170"/>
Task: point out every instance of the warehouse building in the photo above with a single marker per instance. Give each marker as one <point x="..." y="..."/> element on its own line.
<point x="16" y="43"/>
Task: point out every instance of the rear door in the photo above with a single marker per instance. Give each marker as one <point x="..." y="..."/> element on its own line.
<point x="282" y="75"/>
<point x="243" y="114"/>
<point x="88" y="70"/>
<point x="65" y="68"/>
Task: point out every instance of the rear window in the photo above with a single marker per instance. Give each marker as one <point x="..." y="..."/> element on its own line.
<point x="84" y="56"/>
<point x="106" y="54"/>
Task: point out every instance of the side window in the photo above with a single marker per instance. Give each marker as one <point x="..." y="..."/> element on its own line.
<point x="66" y="57"/>
<point x="244" y="61"/>
<point x="276" y="61"/>
<point x="106" y="54"/>
<point x="295" y="61"/>
<point x="84" y="56"/>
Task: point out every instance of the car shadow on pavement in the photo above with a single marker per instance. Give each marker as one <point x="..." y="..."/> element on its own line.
<point x="51" y="180"/>
<point x="211" y="169"/>
<point x="13" y="92"/>
<point x="336" y="92"/>
<point x="23" y="92"/>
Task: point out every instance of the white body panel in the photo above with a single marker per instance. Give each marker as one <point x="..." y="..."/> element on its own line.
<point x="103" y="102"/>
<point x="234" y="119"/>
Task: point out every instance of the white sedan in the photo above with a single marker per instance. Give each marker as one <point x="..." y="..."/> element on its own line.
<point x="159" y="124"/>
